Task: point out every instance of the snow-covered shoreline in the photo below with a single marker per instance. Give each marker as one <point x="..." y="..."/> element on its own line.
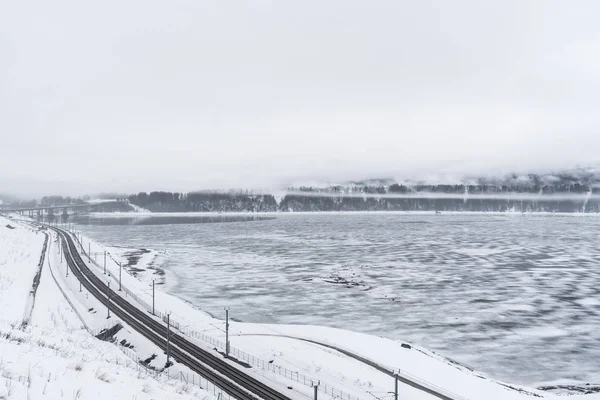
<point x="143" y="263"/>
<point x="277" y="345"/>
<point x="291" y="213"/>
<point x="273" y="342"/>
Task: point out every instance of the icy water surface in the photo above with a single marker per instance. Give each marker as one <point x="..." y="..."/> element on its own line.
<point x="515" y="296"/>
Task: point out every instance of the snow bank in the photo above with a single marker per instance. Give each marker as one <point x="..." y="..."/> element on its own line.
<point x="53" y="363"/>
<point x="20" y="251"/>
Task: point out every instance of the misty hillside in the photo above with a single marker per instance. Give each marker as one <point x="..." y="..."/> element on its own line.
<point x="571" y="192"/>
<point x="364" y="196"/>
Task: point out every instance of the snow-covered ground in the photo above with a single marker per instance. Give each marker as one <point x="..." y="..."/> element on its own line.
<point x="144" y="264"/>
<point x="138" y="209"/>
<point x="55" y="356"/>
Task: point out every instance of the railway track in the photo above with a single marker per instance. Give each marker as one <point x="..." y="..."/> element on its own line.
<point x="227" y="377"/>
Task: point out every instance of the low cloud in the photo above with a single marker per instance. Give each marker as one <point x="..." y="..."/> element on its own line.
<point x="129" y="96"/>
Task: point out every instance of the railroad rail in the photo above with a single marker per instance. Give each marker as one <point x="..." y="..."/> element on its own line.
<point x="227" y="377"/>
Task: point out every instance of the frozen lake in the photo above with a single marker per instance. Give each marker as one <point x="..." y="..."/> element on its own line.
<point x="514" y="296"/>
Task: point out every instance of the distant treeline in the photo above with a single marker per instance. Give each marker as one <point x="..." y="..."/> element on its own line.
<point x="204" y="201"/>
<point x="582" y="186"/>
<point x="298" y="202"/>
<point x="320" y="199"/>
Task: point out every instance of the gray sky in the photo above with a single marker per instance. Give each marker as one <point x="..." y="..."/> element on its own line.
<point x="181" y="95"/>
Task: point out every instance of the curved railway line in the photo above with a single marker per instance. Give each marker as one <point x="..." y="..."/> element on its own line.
<point x="225" y="376"/>
<point x="229" y="378"/>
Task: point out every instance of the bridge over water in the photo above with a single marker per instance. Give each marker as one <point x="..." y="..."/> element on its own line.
<point x="40" y="211"/>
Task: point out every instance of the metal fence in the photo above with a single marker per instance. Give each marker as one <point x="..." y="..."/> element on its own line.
<point x="261" y="363"/>
<point x="185" y="377"/>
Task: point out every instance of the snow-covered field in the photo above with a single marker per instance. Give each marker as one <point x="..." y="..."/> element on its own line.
<point x="285" y="355"/>
<point x="54" y="356"/>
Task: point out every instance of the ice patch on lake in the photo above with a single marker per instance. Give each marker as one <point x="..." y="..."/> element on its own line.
<point x="481" y="252"/>
<point x="542" y="332"/>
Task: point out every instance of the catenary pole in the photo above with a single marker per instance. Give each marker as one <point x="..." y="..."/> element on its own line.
<point x="168" y="336"/>
<point x="108" y="301"/>
<point x="226" y="331"/>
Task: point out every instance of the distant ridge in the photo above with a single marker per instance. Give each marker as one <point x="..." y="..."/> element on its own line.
<point x="572" y="191"/>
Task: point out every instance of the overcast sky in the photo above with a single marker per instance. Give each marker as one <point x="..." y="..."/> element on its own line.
<point x="135" y="95"/>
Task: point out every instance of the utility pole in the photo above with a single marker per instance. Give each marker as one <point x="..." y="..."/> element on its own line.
<point x="80" y="286"/>
<point x="153" y="297"/>
<point x="396" y="386"/>
<point x="168" y="336"/>
<point x="226" y="331"/>
<point x="67" y="268"/>
<point x="108" y="301"/>
<point x="316" y="386"/>
<point x="120" y="270"/>
<point x="89" y="251"/>
<point x="104" y="262"/>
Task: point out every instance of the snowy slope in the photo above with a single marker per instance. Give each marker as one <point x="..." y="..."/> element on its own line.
<point x="54" y="356"/>
<point x="20" y="250"/>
